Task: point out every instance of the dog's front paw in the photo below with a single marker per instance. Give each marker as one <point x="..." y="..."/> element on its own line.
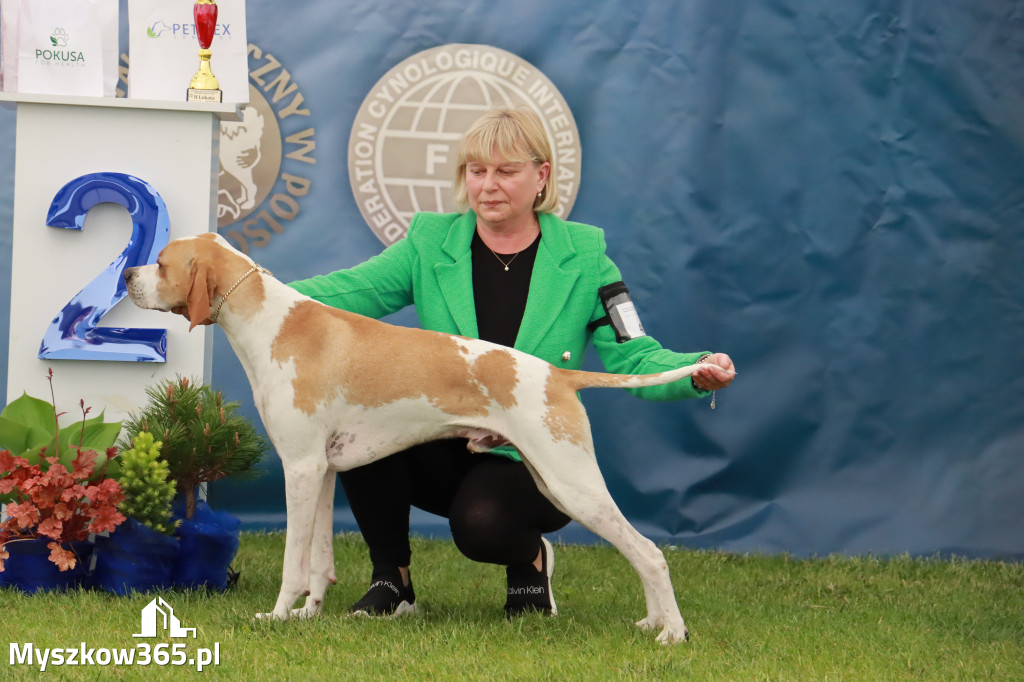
<point x="671" y="635"/>
<point x="305" y="612"/>
<point x="269" y="616"/>
<point x="648" y="623"/>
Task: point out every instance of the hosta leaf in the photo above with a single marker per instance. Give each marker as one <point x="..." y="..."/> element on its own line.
<point x="34" y="414"/>
<point x="35" y="455"/>
<point x="14" y="436"/>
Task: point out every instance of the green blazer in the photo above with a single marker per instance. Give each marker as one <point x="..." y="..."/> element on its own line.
<point x="432" y="269"/>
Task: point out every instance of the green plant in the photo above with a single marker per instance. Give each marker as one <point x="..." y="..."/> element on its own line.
<point x="147" y="485"/>
<point x="30" y="428"/>
<point x="751" y="617"/>
<point x="64" y="496"/>
<point x="203" y="438"/>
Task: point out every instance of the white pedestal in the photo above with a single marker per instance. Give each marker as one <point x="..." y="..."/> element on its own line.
<point x="173" y="148"/>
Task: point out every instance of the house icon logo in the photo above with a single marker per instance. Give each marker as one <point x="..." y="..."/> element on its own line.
<point x="159" y="612"/>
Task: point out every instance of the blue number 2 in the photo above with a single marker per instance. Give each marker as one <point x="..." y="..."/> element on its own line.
<point x="73" y="334"/>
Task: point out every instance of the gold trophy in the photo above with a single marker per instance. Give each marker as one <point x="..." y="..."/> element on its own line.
<point x="204" y="86"/>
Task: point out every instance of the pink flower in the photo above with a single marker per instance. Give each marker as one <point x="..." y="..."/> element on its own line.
<point x="65" y="559"/>
<point x="25" y="514"/>
<point x="9" y="462"/>
<point x="106" y="518"/>
<point x="51" y="528"/>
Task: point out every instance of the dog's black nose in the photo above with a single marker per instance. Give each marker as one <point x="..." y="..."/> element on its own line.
<point x="129" y="273"/>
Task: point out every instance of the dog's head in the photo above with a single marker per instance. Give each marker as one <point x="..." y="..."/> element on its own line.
<point x="189" y="274"/>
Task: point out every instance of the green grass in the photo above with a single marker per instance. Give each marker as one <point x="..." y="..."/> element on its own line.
<point x="750" y="618"/>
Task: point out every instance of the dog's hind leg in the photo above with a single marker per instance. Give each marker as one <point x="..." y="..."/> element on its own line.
<point x="321" y="562"/>
<point x="568" y="475"/>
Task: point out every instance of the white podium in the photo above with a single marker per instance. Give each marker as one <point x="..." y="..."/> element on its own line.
<point x="168" y="149"/>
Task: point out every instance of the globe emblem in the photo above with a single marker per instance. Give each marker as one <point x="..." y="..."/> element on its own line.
<point x="405" y="138"/>
<point x="417" y="149"/>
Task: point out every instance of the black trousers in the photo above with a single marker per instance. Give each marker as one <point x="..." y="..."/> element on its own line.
<point x="494" y="509"/>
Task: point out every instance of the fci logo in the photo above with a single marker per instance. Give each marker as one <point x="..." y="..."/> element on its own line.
<point x="402" y="147"/>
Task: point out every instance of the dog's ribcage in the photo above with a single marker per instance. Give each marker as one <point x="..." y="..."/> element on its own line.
<point x="379" y="398"/>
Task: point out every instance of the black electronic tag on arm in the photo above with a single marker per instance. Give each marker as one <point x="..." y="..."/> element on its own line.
<point x="620" y="312"/>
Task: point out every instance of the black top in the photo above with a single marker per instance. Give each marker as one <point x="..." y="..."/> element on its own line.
<point x="500" y="295"/>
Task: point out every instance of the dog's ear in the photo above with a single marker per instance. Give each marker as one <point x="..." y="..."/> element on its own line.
<point x="199" y="295"/>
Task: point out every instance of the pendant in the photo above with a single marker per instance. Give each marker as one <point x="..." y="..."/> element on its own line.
<point x="506" y="268"/>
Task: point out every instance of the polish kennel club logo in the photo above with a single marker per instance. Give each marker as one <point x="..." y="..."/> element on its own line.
<point x="158" y="616"/>
<point x="402" y="148"/>
<point x="265" y="157"/>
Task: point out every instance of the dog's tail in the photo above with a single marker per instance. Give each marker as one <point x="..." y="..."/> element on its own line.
<point x="580" y="380"/>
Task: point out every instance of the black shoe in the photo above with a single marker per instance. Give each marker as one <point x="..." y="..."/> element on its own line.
<point x="387" y="597"/>
<point x="530" y="589"/>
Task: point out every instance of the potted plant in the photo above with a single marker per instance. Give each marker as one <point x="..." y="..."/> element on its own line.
<point x="204" y="439"/>
<point x="56" y="493"/>
<point x="142" y="553"/>
<point x="51" y="511"/>
<point x="30" y="428"/>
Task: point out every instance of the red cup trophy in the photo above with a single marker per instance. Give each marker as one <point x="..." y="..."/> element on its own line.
<point x="204" y="86"/>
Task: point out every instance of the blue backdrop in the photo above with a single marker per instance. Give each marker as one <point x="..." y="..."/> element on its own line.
<point x="833" y="193"/>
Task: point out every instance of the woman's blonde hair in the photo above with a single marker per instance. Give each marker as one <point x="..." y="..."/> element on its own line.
<point x="515" y="135"/>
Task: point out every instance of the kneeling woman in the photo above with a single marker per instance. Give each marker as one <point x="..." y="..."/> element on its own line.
<point x="507" y="270"/>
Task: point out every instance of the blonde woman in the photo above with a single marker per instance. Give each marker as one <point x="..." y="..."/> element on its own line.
<point x="506" y="270"/>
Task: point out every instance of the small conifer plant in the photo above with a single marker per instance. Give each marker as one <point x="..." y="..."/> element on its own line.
<point x="203" y="438"/>
<point x="147" y="485"/>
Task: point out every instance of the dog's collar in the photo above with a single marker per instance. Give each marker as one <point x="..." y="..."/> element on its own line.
<point x="254" y="268"/>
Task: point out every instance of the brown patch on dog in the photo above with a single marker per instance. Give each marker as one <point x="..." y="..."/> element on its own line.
<point x="247" y="299"/>
<point x="380" y="363"/>
<point x="496" y="371"/>
<point x="565" y="416"/>
<point x="175" y="275"/>
<point x="194" y="271"/>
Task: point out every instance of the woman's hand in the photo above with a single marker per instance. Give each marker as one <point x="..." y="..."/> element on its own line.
<point x="714" y="372"/>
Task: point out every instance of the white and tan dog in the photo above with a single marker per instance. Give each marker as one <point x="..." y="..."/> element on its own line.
<point x="337" y="390"/>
